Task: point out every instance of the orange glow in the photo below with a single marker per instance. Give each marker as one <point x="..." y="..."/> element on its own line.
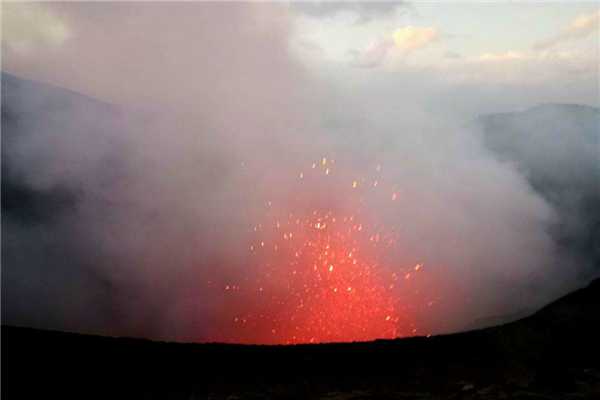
<point x="318" y="275"/>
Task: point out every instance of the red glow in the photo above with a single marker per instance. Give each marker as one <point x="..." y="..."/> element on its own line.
<point x="317" y="275"/>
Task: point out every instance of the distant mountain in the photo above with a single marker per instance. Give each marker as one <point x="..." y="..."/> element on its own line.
<point x="34" y="115"/>
<point x="58" y="147"/>
<point x="553" y="354"/>
<point x="557" y="148"/>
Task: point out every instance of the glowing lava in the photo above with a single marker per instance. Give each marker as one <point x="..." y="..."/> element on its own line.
<point x="317" y="275"/>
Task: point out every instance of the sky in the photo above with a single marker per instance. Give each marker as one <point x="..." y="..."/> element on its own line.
<point x="282" y="172"/>
<point x="469" y="29"/>
<point x="459" y="43"/>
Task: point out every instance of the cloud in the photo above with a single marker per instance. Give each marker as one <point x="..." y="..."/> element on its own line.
<point x="374" y="55"/>
<point x="366" y="10"/>
<point x="411" y="38"/>
<point x="539" y="56"/>
<point x="524" y="68"/>
<point x="502" y="56"/>
<point x="580" y="27"/>
<point x="403" y="42"/>
<point x="27" y="26"/>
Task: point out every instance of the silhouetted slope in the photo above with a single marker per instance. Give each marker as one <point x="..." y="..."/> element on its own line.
<point x="554" y="353"/>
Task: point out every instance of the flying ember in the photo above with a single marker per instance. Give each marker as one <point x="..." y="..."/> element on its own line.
<point x="319" y="273"/>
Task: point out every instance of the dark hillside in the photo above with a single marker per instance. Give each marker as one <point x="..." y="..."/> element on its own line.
<point x="553" y="354"/>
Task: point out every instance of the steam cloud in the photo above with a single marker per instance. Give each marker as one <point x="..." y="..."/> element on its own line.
<point x="117" y="212"/>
